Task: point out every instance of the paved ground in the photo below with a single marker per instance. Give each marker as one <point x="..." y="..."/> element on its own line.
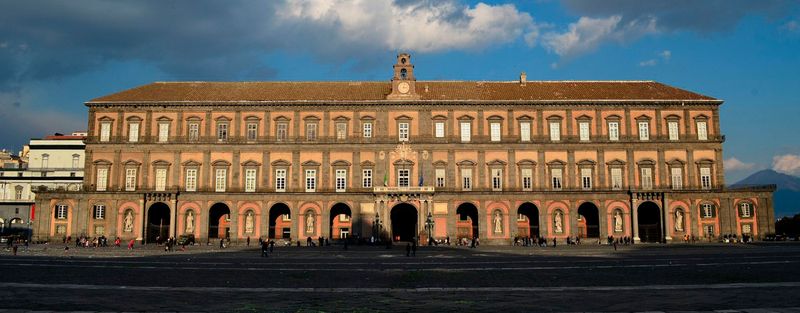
<point x="747" y="278"/>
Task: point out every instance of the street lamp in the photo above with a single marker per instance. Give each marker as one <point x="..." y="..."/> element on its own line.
<point x="429" y="226"/>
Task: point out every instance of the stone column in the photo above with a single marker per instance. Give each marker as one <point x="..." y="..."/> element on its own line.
<point x="512" y="169"/>
<point x="325" y="220"/>
<point x="570" y="180"/>
<point x="635" y="219"/>
<point x="235" y="166"/>
<point x="602" y="215"/>
<point x="234" y="225"/>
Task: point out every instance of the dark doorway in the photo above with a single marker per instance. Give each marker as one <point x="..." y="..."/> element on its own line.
<point x="340" y="224"/>
<point x="219" y="218"/>
<point x="649" y="222"/>
<point x="280" y="221"/>
<point x="590" y="218"/>
<point x="157" y="222"/>
<point x="467" y="224"/>
<point x="404" y="222"/>
<point x="530" y="225"/>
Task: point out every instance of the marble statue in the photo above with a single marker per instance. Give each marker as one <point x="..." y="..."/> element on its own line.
<point x="190" y="222"/>
<point x="498" y="223"/>
<point x="310" y="222"/>
<point x="679" y="220"/>
<point x="558" y="225"/>
<point x="248" y="222"/>
<point x="617" y="221"/>
<point x="129" y="222"/>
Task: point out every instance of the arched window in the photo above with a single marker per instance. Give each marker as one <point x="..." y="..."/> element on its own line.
<point x="403" y="73"/>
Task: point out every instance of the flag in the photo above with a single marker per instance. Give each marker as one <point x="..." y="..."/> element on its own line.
<point x="420" y="179"/>
<point x="385" y="179"/>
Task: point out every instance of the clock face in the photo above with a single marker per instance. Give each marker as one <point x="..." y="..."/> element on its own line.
<point x="403" y="87"/>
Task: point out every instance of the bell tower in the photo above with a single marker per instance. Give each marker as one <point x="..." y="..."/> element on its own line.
<point x="403" y="81"/>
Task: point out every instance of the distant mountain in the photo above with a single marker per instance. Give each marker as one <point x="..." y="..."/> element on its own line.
<point x="786" y="197"/>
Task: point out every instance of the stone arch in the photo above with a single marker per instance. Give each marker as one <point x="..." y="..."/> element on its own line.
<point x="649" y="222"/>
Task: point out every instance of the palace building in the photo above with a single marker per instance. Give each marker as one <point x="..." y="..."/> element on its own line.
<point x="403" y="159"/>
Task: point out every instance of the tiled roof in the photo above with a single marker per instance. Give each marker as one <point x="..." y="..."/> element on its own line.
<point x="376" y="91"/>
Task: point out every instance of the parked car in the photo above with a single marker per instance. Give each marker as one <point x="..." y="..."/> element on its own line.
<point x="186" y="240"/>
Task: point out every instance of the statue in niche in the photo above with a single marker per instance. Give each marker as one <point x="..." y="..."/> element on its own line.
<point x="128" y="223"/>
<point x="679" y="220"/>
<point x="618" y="221"/>
<point x="310" y="222"/>
<point x="498" y="223"/>
<point x="558" y="226"/>
<point x="248" y="223"/>
<point x="190" y="222"/>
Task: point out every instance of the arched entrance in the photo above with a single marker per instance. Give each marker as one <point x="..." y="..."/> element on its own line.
<point x="340" y="221"/>
<point x="158" y="219"/>
<point x="219" y="219"/>
<point x="649" y="222"/>
<point x="467" y="223"/>
<point x="280" y="222"/>
<point x="528" y="220"/>
<point x="589" y="225"/>
<point x="404" y="222"/>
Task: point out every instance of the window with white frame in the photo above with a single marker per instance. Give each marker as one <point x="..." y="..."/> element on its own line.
<point x="280" y="180"/>
<point x="191" y="179"/>
<point x="130" y="179"/>
<point x="494" y="131"/>
<point x="311" y="180"/>
<point x="586" y="178"/>
<point x="557" y="176"/>
<point x="222" y="132"/>
<point x="705" y="177"/>
<point x="282" y="131"/>
<point x="366" y="178"/>
<point x="403" y="178"/>
<point x="367" y="129"/>
<point x="402" y="131"/>
<point x="583" y="130"/>
<point x="707" y="210"/>
<point x="466" y="131"/>
<point x="527" y="179"/>
<point x="105" y="131"/>
<point x="613" y="131"/>
<point x="76" y="161"/>
<point x="555" y="131"/>
<point x="99" y="211"/>
<point x="747" y="228"/>
<point x="252" y="131"/>
<point x="61" y="211"/>
<point x="672" y="128"/>
<point x="45" y="160"/>
<point x="466" y="179"/>
<point x="677" y="178"/>
<point x="497" y="179"/>
<point x="102" y="179"/>
<point x="194" y="131"/>
<point x="525" y="131"/>
<point x="341" y="131"/>
<point x="647" y="178"/>
<point x="311" y="131"/>
<point x="18" y="192"/>
<point x="221" y="179"/>
<point x="708" y="230"/>
<point x="439" y="129"/>
<point x="341" y="180"/>
<point x="745" y="209"/>
<point x="250" y="180"/>
<point x="644" y="130"/>
<point x="133" y="131"/>
<point x="616" y="178"/>
<point x="441" y="177"/>
<point x="163" y="132"/>
<point x="702" y="130"/>
<point x="161" y="179"/>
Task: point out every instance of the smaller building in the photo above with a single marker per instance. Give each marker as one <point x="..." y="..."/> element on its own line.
<point x="52" y="163"/>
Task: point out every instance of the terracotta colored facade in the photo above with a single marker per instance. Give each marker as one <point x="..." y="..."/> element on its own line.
<point x="331" y="159"/>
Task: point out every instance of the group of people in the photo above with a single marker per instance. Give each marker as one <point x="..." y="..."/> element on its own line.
<point x="266" y="246"/>
<point x="86" y="242"/>
<point x="322" y="242"/>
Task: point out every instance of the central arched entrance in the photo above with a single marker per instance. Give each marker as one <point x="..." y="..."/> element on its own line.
<point x="528" y="220"/>
<point x="404" y="222"/>
<point x="219" y="218"/>
<point x="280" y="222"/>
<point x="340" y="223"/>
<point x="649" y="222"/>
<point x="467" y="223"/>
<point x="158" y="222"/>
<point x="589" y="226"/>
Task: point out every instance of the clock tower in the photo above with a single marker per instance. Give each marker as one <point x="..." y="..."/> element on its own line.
<point x="403" y="81"/>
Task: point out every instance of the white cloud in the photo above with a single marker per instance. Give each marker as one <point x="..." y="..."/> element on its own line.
<point x="587" y="34"/>
<point x="651" y="62"/>
<point x="734" y="164"/>
<point x="666" y="55"/>
<point x="787" y="163"/>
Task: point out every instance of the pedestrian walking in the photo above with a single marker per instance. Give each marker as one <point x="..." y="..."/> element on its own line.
<point x="248" y="241"/>
<point x="130" y="244"/>
<point x="271" y="245"/>
<point x="222" y="243"/>
<point x="264" y="247"/>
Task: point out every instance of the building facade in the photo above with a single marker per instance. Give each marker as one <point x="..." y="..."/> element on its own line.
<point x="405" y="158"/>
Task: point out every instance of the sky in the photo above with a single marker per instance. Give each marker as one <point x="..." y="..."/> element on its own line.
<point x="56" y="55"/>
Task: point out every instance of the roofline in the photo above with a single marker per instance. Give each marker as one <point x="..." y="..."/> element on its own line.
<point x="426" y="81"/>
<point x="445" y="101"/>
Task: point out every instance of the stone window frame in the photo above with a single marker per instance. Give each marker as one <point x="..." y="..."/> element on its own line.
<point x="131" y="120"/>
<point x="250" y="165"/>
<point x="466" y="165"/>
<point x="401" y="120"/>
<point x="613" y="164"/>
<point x="101" y="164"/>
<point x="644" y="119"/>
<point x="307" y="122"/>
<point x="248" y="121"/>
<point x="613" y="118"/>
<point x="701" y="206"/>
<point x="587" y="120"/>
<point x="740" y="209"/>
<point x="193" y="120"/>
<point x="522" y="120"/>
<point x="160" y="164"/>
<point x="697" y="120"/>
<point x="341" y="120"/>
<point x="282" y="121"/>
<point x="439" y="165"/>
<point x="18" y="189"/>
<point x="404" y="164"/>
<point x="587" y="164"/>
<point x="557" y="119"/>
<point x="368" y="165"/>
<point x="673" y="118"/>
<point x="218" y="123"/>
<point x="163" y="120"/>
<point x="60" y="208"/>
<point x="468" y="120"/>
<point x="527" y="164"/>
<point x="284" y="166"/>
<point x="221" y="165"/>
<point x="108" y="121"/>
<point x="76" y="161"/>
<point x="311" y="165"/>
<point x="497" y="164"/>
<point x="341" y="165"/>
<point x="99" y="210"/>
<point x="646" y="163"/>
<point x="367" y="119"/>
<point x="437" y="120"/>
<point x="495" y="119"/>
<point x="676" y="163"/>
<point x="190" y="164"/>
<point x="556" y="164"/>
<point x="132" y="164"/>
<point x="705" y="163"/>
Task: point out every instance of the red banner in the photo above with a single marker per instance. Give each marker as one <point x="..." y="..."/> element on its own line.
<point x="33" y="211"/>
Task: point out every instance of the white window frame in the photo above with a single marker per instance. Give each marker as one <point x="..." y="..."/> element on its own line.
<point x="525" y="131"/>
<point x="672" y="129"/>
<point x="702" y="130"/>
<point x="62" y="210"/>
<point x="616" y="178"/>
<point x="311" y="180"/>
<point x="494" y="131"/>
<point x="708" y="230"/>
<point x="311" y="131"/>
<point x="441" y="177"/>
<point x="133" y="132"/>
<point x="282" y="131"/>
<point x="439" y="129"/>
<point x="76" y="161"/>
<point x="250" y="179"/>
<point x="222" y="132"/>
<point x="676" y="173"/>
<point x="527" y="179"/>
<point x="466" y="179"/>
<point x="18" y="193"/>
<point x="341" y="130"/>
<point x="161" y="179"/>
<point x="280" y="180"/>
<point x="465" y="131"/>
<point x="102" y="179"/>
<point x="341" y="180"/>
<point x="194" y="131"/>
<point x="613" y="131"/>
<point x="105" y="131"/>
<point x="252" y="131"/>
<point x="220" y="179"/>
<point x="366" y="178"/>
<point x="586" y="178"/>
<point x="497" y="179"/>
<point x="99" y="211"/>
<point x="647" y="178"/>
<point x="403" y="130"/>
<point x="746" y="207"/>
<point x="163" y="132"/>
<point x="705" y="178"/>
<point x="555" y="131"/>
<point x="130" y="179"/>
<point x="644" y="130"/>
<point x="557" y="178"/>
<point x="367" y="129"/>
<point x="404" y="178"/>
<point x="583" y="131"/>
<point x="747" y="229"/>
<point x="707" y="210"/>
<point x="45" y="160"/>
<point x="191" y="179"/>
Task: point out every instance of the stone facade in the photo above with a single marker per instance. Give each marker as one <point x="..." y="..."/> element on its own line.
<point x="331" y="159"/>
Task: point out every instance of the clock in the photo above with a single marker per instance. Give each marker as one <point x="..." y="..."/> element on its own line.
<point x="403" y="87"/>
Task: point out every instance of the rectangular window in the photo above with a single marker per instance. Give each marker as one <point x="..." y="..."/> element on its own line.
<point x="402" y="129"/>
<point x="525" y="131"/>
<point x="367" y="127"/>
<point x="702" y="130"/>
<point x="102" y="179"/>
<point x="133" y="132"/>
<point x="708" y="230"/>
<point x="76" y="161"/>
<point x="191" y="179"/>
<point x="613" y="131"/>
<point x="708" y="210"/>
<point x="494" y="131"/>
<point x="45" y="160"/>
<point x="746" y="209"/>
<point x="105" y="131"/>
<point x="250" y="180"/>
<point x="440" y="177"/>
<point x="616" y="178"/>
<point x="647" y="178"/>
<point x="280" y="180"/>
<point x="466" y="129"/>
<point x="281" y="131"/>
<point x="194" y="131"/>
<point x="222" y="132"/>
<point x="130" y="179"/>
<point x="161" y="179"/>
<point x="557" y="178"/>
<point x="341" y="131"/>
<point x="403" y="178"/>
<point x="497" y="179"/>
<point x="221" y="180"/>
<point x="527" y="179"/>
<point x="705" y="177"/>
<point x="439" y="129"/>
<point x="644" y="131"/>
<point x="252" y="131"/>
<point x="746" y="228"/>
<point x="341" y="180"/>
<point x="583" y="128"/>
<point x="99" y="212"/>
<point x="466" y="179"/>
<point x="18" y="195"/>
<point x="586" y="178"/>
<point x="311" y="131"/>
<point x="555" y="131"/>
<point x="61" y="212"/>
<point x="672" y="127"/>
<point x="311" y="180"/>
<point x="677" y="178"/>
<point x="163" y="132"/>
<point x="366" y="178"/>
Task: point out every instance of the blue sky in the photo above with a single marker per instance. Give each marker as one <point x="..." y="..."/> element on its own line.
<point x="55" y="55"/>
